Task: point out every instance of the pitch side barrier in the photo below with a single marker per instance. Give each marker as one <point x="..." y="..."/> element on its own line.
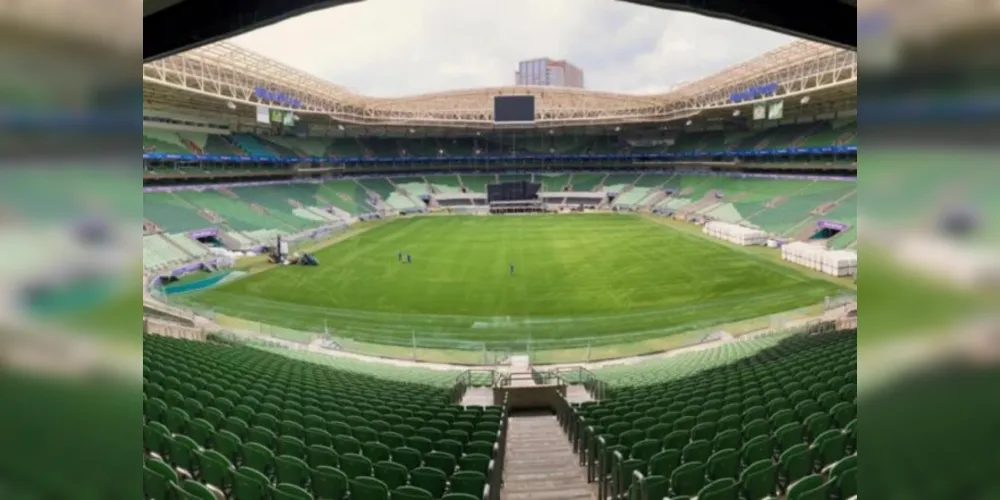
<point x="496" y="159"/>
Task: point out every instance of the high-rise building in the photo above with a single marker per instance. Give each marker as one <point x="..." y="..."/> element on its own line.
<point x="548" y="72"/>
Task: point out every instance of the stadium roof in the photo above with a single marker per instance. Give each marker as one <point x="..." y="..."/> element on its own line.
<point x="225" y="76"/>
<point x="170" y="26"/>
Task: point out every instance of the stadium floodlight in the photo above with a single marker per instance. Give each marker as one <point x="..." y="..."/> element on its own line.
<point x="551" y="131"/>
<point x="412" y="131"/>
<point x="618" y="129"/>
<point x="340" y="127"/>
<point x="230" y="104"/>
<point x="736" y="113"/>
<point x="440" y="151"/>
<point x="805" y="100"/>
<point x="688" y="123"/>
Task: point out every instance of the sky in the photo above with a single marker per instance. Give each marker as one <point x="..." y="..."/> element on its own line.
<point x="390" y="48"/>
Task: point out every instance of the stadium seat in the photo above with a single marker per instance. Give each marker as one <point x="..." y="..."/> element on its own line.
<point x="777" y="406"/>
<point x="278" y="449"/>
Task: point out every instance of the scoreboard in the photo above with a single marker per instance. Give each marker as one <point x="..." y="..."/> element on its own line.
<point x="513" y="109"/>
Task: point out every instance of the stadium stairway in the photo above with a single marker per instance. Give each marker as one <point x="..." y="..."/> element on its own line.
<point x="540" y="464"/>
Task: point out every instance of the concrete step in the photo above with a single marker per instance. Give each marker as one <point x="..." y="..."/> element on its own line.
<point x="540" y="464"/>
<point x="478" y="396"/>
<point x="577" y="394"/>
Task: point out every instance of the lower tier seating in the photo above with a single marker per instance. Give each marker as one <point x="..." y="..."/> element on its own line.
<point x="752" y="422"/>
<point x="249" y="424"/>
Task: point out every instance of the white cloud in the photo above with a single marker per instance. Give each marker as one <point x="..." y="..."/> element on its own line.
<point x="402" y="47"/>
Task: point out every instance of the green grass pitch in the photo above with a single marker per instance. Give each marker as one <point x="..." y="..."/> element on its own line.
<point x="593" y="277"/>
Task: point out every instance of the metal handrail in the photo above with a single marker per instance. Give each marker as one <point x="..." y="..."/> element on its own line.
<point x="594" y="385"/>
<point x="464" y="380"/>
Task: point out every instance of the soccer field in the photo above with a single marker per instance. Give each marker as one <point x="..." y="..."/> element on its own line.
<point x="590" y="277"/>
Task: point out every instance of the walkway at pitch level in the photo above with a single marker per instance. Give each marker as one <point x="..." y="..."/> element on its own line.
<point x="540" y="464"/>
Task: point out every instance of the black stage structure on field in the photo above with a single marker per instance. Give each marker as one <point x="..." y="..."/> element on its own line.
<point x="514" y="197"/>
<point x="171" y="26"/>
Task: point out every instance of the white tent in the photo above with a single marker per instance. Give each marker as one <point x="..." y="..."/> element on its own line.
<point x="817" y="258"/>
<point x="735" y="233"/>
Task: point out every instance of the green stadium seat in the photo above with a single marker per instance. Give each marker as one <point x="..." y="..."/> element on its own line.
<point x="250" y="484"/>
<point x="828" y="447"/>
<point x="729" y="438"/>
<point x="846" y="483"/>
<point x="157" y="479"/>
<point x="182" y="452"/>
<point x="697" y="451"/>
<point x="215" y="469"/>
<point x="795" y="463"/>
<point x="720" y="489"/>
<point x="468" y="482"/>
<point x="355" y="465"/>
<point x="411" y="493"/>
<point x="291" y="470"/>
<point x="432" y="480"/>
<point x="192" y="490"/>
<point x="724" y="464"/>
<point x="812" y="487"/>
<point x="688" y="479"/>
<point x="459" y="496"/>
<point x="410" y="458"/>
<point x="368" y="488"/>
<point x="759" y="480"/>
<point x="329" y="482"/>
<point x="475" y="462"/>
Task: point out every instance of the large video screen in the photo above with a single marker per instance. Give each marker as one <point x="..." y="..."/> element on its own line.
<point x="282" y="117"/>
<point x="513" y="191"/>
<point x="514" y="109"/>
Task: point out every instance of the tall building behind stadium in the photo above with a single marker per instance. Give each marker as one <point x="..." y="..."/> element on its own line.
<point x="547" y="72"/>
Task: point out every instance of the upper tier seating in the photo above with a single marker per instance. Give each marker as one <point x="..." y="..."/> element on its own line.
<point x="163" y="141"/>
<point x="817" y="134"/>
<point x="347" y="147"/>
<point x="252" y="145"/>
